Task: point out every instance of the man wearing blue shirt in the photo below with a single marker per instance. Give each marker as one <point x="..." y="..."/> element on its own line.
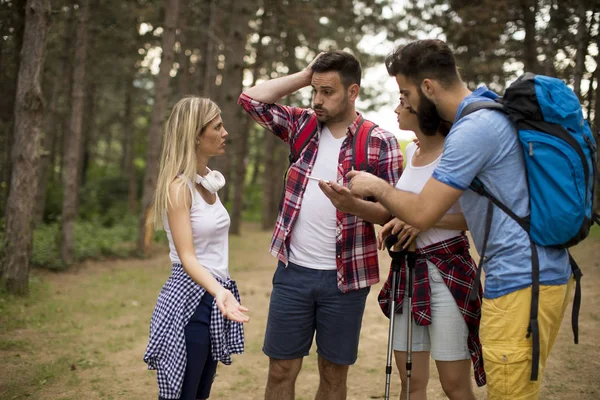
<point x="483" y="144"/>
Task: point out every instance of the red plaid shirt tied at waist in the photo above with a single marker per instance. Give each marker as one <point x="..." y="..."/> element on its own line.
<point x="451" y="257"/>
<point x="356" y="247"/>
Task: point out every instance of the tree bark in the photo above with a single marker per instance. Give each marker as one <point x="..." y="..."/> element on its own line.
<point x="183" y="73"/>
<point x="8" y="141"/>
<point x="156" y="125"/>
<point x="129" y="145"/>
<point x="529" y="8"/>
<point x="241" y="13"/>
<point x="29" y="107"/>
<point x="597" y="117"/>
<point x="582" y="40"/>
<point x="66" y="82"/>
<point x="72" y="144"/>
<point x="88" y="137"/>
<point x="208" y="56"/>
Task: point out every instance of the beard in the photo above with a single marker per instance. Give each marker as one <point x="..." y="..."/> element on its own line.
<point x="428" y="117"/>
<point x="327" y="116"/>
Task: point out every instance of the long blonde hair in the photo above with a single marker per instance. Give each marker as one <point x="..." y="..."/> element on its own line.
<point x="186" y="123"/>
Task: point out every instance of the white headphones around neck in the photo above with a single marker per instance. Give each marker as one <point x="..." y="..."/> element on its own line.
<point x="213" y="181"/>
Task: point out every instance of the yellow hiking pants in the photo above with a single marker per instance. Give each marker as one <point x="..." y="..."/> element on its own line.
<point x="507" y="350"/>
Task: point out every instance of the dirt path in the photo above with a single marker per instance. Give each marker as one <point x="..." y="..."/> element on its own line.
<point x="109" y="305"/>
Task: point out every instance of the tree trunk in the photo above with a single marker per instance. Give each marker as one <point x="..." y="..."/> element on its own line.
<point x="257" y="162"/>
<point x="529" y="8"/>
<point x="48" y="142"/>
<point x="208" y="56"/>
<point x="597" y="116"/>
<point x="129" y="145"/>
<point x="590" y="97"/>
<point x="582" y="40"/>
<point x="88" y="137"/>
<point x="29" y="108"/>
<point x="72" y="144"/>
<point x="183" y="73"/>
<point x="156" y="125"/>
<point x="8" y="141"/>
<point x="232" y="81"/>
<point x="66" y="85"/>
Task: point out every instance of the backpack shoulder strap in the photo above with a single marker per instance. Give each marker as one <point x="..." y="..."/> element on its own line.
<point x="480" y="105"/>
<point x="306" y="133"/>
<point x="360" y="144"/>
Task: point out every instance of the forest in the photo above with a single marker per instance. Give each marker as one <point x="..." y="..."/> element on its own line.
<point x="87" y="85"/>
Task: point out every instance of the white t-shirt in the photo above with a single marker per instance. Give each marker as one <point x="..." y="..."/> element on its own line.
<point x="313" y="240"/>
<point x="413" y="180"/>
<point x="210" y="230"/>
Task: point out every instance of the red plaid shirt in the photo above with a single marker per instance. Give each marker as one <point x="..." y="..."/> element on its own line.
<point x="356" y="247"/>
<point x="459" y="271"/>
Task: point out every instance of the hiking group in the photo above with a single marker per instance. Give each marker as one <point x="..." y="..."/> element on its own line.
<point x="516" y="171"/>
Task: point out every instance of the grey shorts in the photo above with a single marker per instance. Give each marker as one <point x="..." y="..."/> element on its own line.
<point x="446" y="337"/>
<point x="305" y="301"/>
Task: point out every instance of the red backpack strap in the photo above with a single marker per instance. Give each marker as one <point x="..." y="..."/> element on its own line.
<point x="308" y="131"/>
<point x="360" y="144"/>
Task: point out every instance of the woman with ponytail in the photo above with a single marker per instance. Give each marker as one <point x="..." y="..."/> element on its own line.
<point x="198" y="318"/>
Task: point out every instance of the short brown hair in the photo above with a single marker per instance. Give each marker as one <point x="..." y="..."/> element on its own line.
<point x="343" y="63"/>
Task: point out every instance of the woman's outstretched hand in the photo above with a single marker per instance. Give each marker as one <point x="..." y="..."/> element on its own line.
<point x="230" y="307"/>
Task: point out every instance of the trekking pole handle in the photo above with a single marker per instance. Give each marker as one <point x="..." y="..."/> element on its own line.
<point x="392" y="240"/>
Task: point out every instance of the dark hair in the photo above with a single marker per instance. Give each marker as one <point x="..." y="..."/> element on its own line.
<point x="342" y="62"/>
<point x="444" y="128"/>
<point x="424" y="59"/>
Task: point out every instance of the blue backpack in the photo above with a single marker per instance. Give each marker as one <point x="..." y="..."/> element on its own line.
<point x="560" y="160"/>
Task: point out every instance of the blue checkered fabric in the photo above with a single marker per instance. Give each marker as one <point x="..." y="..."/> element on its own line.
<point x="166" y="352"/>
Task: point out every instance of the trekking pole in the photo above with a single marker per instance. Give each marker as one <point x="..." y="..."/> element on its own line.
<point x="397" y="256"/>
<point x="410" y="262"/>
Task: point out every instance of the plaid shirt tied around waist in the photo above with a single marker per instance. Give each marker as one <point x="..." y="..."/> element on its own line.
<point x="451" y="257"/>
<point x="166" y="351"/>
<point x="356" y="246"/>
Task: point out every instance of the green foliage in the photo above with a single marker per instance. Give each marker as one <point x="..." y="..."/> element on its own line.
<point x="93" y="240"/>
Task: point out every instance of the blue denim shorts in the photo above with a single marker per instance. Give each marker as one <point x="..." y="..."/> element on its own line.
<point x="305" y="301"/>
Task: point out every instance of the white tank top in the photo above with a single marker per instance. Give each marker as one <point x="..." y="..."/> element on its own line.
<point x="413" y="180"/>
<point x="313" y="239"/>
<point x="210" y="229"/>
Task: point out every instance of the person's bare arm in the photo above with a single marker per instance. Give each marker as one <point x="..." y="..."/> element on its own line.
<point x="274" y="89"/>
<point x="421" y="210"/>
<point x="178" y="213"/>
<point x="452" y="221"/>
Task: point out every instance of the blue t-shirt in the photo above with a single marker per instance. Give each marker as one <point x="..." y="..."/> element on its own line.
<point x="485" y="145"/>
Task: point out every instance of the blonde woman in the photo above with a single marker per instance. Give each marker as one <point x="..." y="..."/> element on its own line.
<point x="198" y="319"/>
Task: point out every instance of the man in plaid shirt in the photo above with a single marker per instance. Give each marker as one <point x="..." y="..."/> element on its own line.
<point x="324" y="237"/>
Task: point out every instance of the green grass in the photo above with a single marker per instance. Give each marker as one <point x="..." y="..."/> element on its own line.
<point x="60" y="328"/>
<point x="595" y="232"/>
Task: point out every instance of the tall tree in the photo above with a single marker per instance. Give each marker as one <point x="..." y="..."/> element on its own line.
<point x="582" y="47"/>
<point x="72" y="146"/>
<point x="29" y="107"/>
<point x="241" y="12"/>
<point x="596" y="128"/>
<point x="60" y="83"/>
<point x="158" y="117"/>
<point x="12" y="20"/>
<point x="529" y="8"/>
